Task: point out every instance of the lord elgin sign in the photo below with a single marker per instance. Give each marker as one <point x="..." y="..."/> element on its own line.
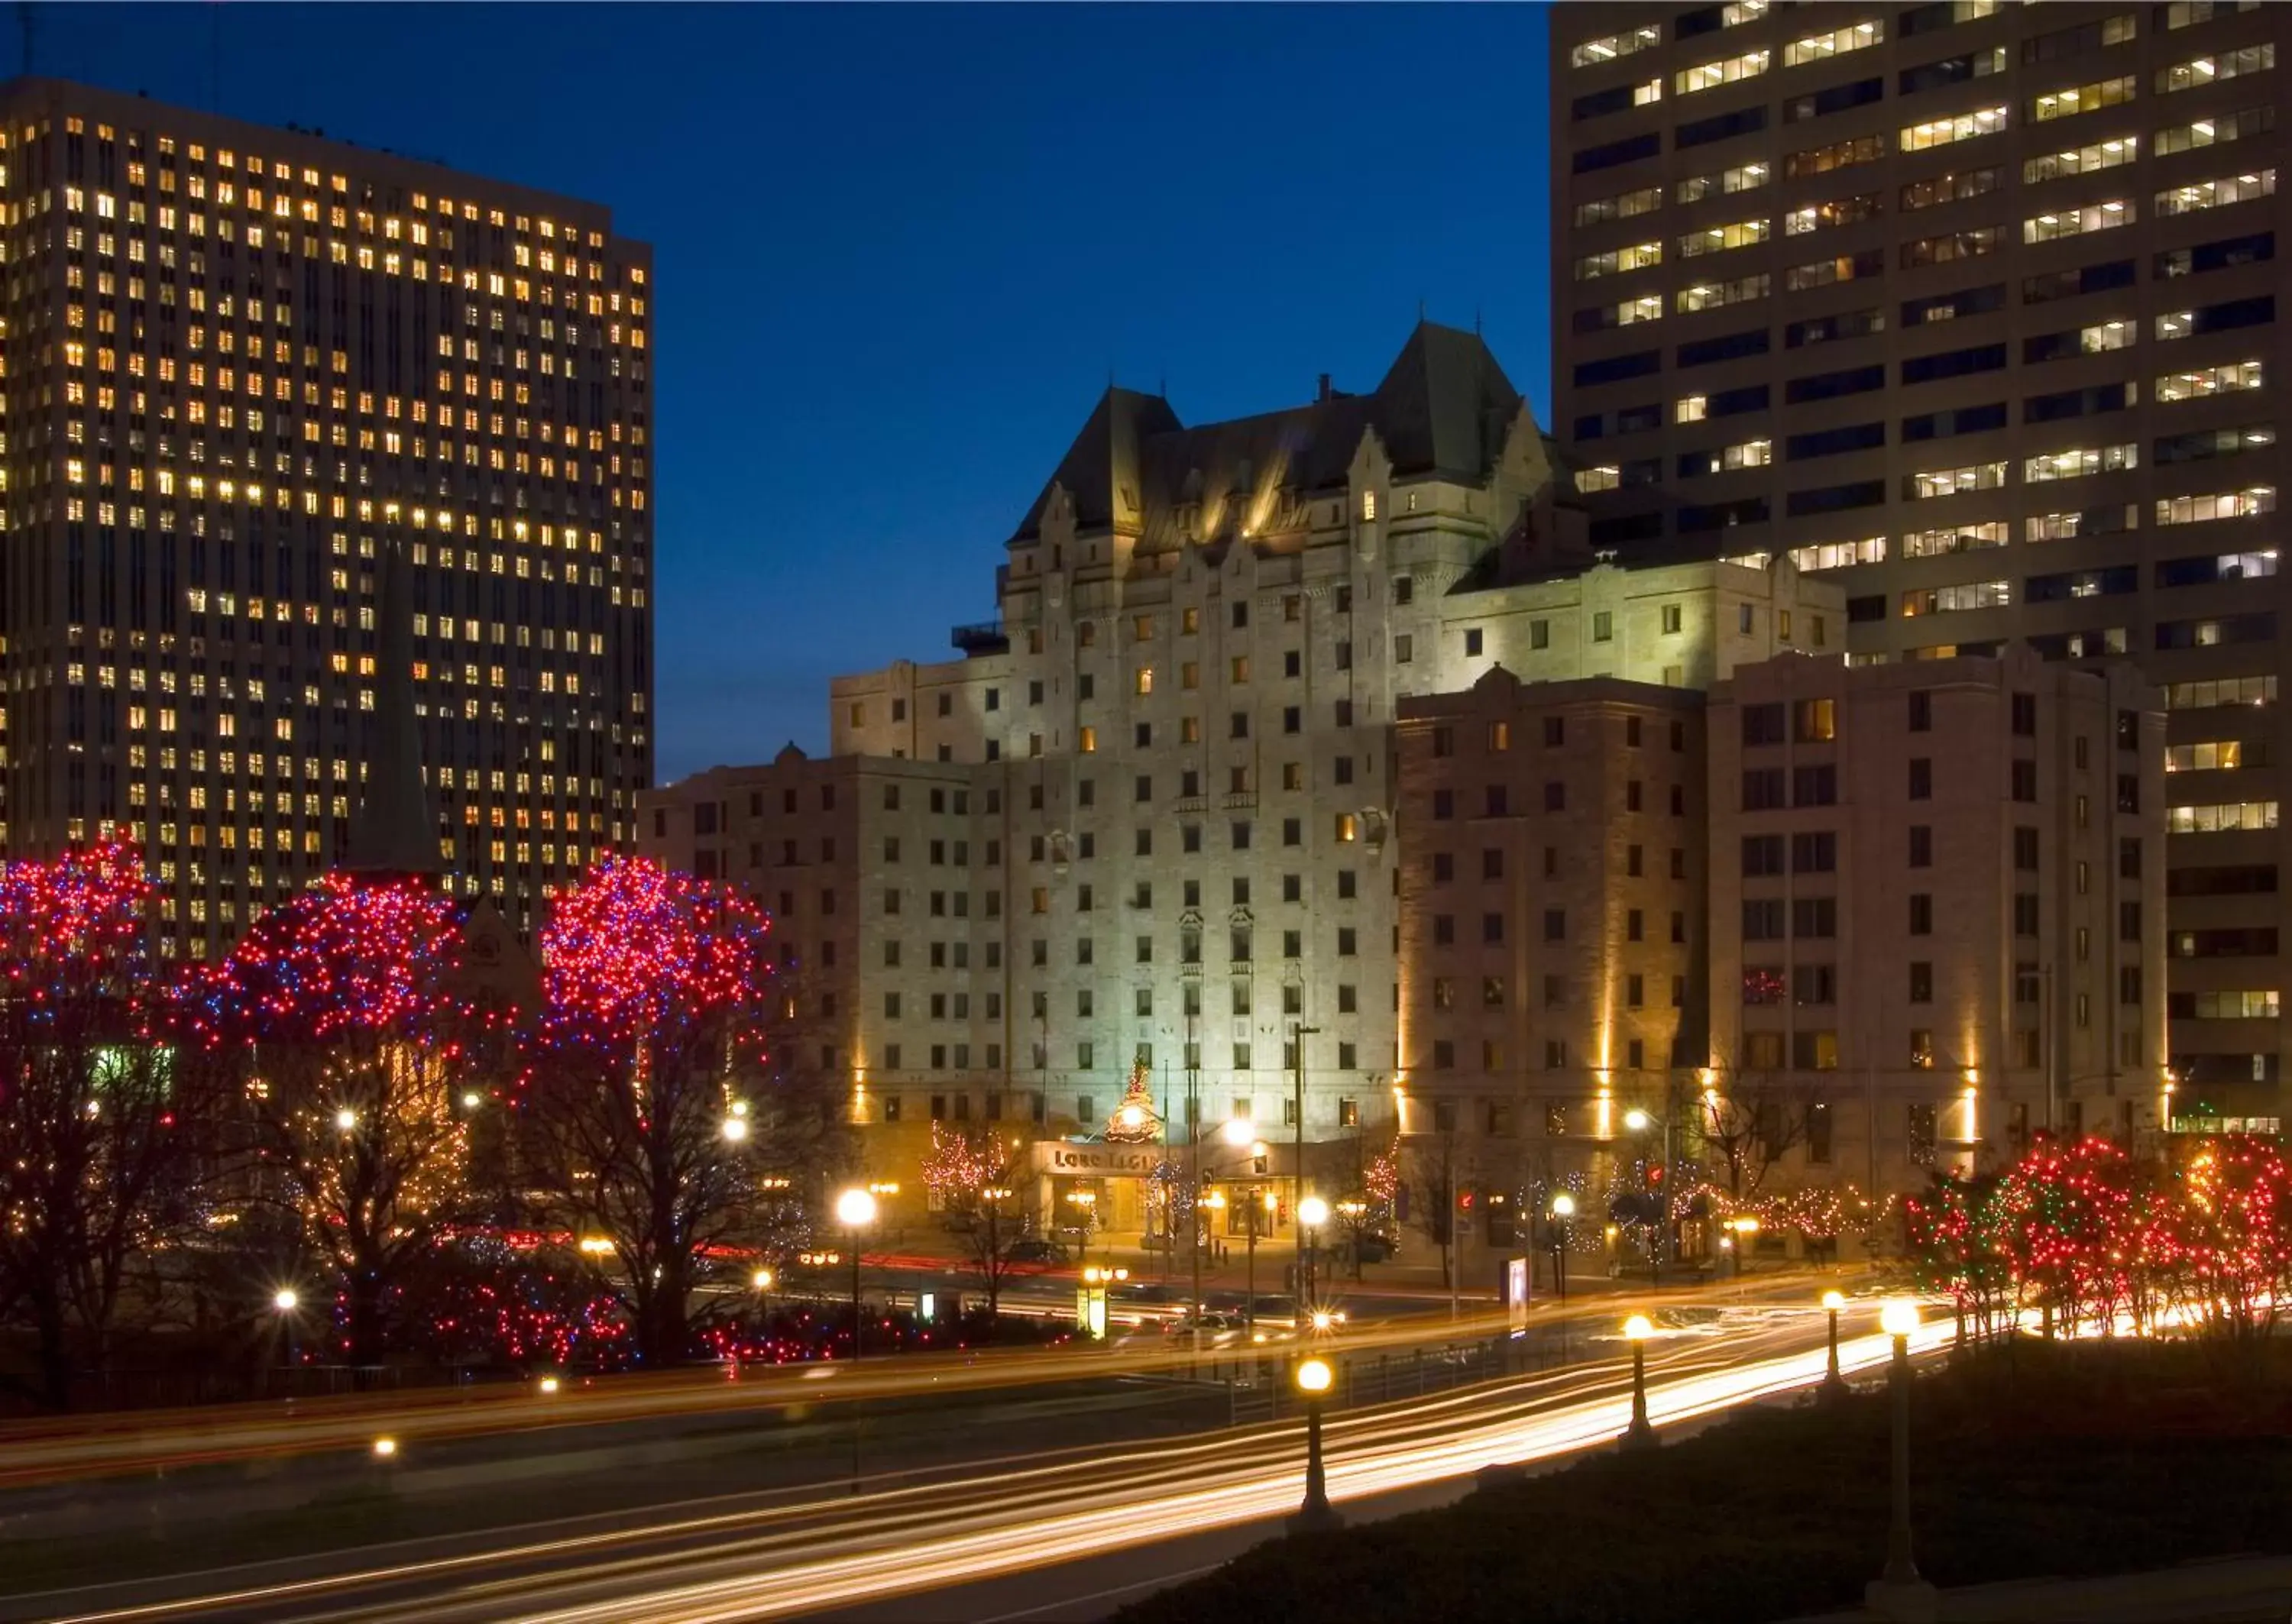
<point x="1097" y="1160"/>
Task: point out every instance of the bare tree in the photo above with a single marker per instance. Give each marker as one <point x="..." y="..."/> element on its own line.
<point x="1434" y="1171"/>
<point x="977" y="1174"/>
<point x="1750" y="1122"/>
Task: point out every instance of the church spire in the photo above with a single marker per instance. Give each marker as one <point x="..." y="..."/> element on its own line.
<point x="394" y="831"/>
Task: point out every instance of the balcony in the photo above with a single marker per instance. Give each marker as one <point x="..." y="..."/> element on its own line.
<point x="987" y="636"/>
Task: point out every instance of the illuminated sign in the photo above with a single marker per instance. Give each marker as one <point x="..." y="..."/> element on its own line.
<point x="1097" y="1161"/>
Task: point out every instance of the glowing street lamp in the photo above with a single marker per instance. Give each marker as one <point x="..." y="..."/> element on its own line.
<point x="1316" y="1515"/>
<point x="1639" y="1436"/>
<point x="346" y="1120"/>
<point x="1899" y="1590"/>
<point x="1313" y="1213"/>
<point x="1833" y="1385"/>
<point x="736" y="1129"/>
<point x="855" y="1209"/>
<point x="287" y="1301"/>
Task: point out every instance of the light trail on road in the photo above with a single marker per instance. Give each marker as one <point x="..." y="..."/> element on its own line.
<point x="825" y="1554"/>
<point x="41" y="1454"/>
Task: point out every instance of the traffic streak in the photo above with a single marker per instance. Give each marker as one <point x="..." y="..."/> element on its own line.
<point x="821" y="1554"/>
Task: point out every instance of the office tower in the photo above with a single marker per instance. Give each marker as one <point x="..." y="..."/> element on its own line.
<point x="244" y="366"/>
<point x="1971" y="307"/>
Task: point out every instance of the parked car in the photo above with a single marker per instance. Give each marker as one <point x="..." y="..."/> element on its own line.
<point x="1369" y="1247"/>
<point x="1034" y="1248"/>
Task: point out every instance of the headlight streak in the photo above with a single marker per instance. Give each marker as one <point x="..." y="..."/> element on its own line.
<point x="1009" y="1517"/>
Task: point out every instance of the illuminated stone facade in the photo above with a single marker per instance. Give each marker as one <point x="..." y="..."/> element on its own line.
<point x="243" y="363"/>
<point x="1177" y="744"/>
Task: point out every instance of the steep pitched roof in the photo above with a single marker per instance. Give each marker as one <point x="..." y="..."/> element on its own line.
<point x="1442" y="407"/>
<point x="395" y="829"/>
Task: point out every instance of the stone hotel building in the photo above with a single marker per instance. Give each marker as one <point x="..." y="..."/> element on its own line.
<point x="1186" y="801"/>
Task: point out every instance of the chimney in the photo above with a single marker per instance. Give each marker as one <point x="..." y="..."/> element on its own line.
<point x="1324" y="394"/>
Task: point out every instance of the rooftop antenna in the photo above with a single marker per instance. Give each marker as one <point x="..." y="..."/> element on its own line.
<point x="1420" y="309"/>
<point x="1476" y="321"/>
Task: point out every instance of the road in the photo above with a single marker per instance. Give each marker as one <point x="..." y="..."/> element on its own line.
<point x="1053" y="1520"/>
<point x="35" y="1455"/>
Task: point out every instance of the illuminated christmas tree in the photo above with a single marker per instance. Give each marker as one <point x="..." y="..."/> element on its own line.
<point x="1134" y="1121"/>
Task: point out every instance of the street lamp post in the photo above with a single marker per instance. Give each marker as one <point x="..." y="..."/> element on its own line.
<point x="1312" y="1212"/>
<point x="1316" y="1514"/>
<point x="1639" y="1121"/>
<point x="1639" y="1436"/>
<point x="855" y="1209"/>
<point x="1833" y="1385"/>
<point x="1299" y="1032"/>
<point x="1563" y="1208"/>
<point x="1898" y="1592"/>
<point x="286" y="1301"/>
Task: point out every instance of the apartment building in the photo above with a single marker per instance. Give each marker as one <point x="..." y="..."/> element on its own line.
<point x="244" y="365"/>
<point x="1826" y="925"/>
<point x="1937" y="903"/>
<point x="1553" y="877"/>
<point x="1970" y="306"/>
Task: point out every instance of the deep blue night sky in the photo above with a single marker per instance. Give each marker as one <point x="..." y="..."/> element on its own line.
<point x="899" y="251"/>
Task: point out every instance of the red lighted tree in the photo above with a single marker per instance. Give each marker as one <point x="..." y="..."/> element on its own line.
<point x="340" y="1013"/>
<point x="2231" y="1237"/>
<point x="98" y="1164"/>
<point x="656" y="1121"/>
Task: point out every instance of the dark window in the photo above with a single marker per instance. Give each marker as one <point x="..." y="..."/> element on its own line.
<point x="1826" y="329"/>
<point x="1831" y="385"/>
<point x="1625" y="527"/>
<point x="1719" y="515"/>
<point x="1965" y="420"/>
<point x="1835" y="99"/>
<point x="1726" y="347"/>
<point x="2081" y="279"/>
<point x="1732" y="402"/>
<point x="1637" y="364"/>
<point x="1832" y="442"/>
<point x="1630" y="150"/>
<point x="1953" y="363"/>
<point x="2076" y="403"/>
<point x="1700" y="132"/>
<point x="2219" y="255"/>
<point x="1834" y="499"/>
